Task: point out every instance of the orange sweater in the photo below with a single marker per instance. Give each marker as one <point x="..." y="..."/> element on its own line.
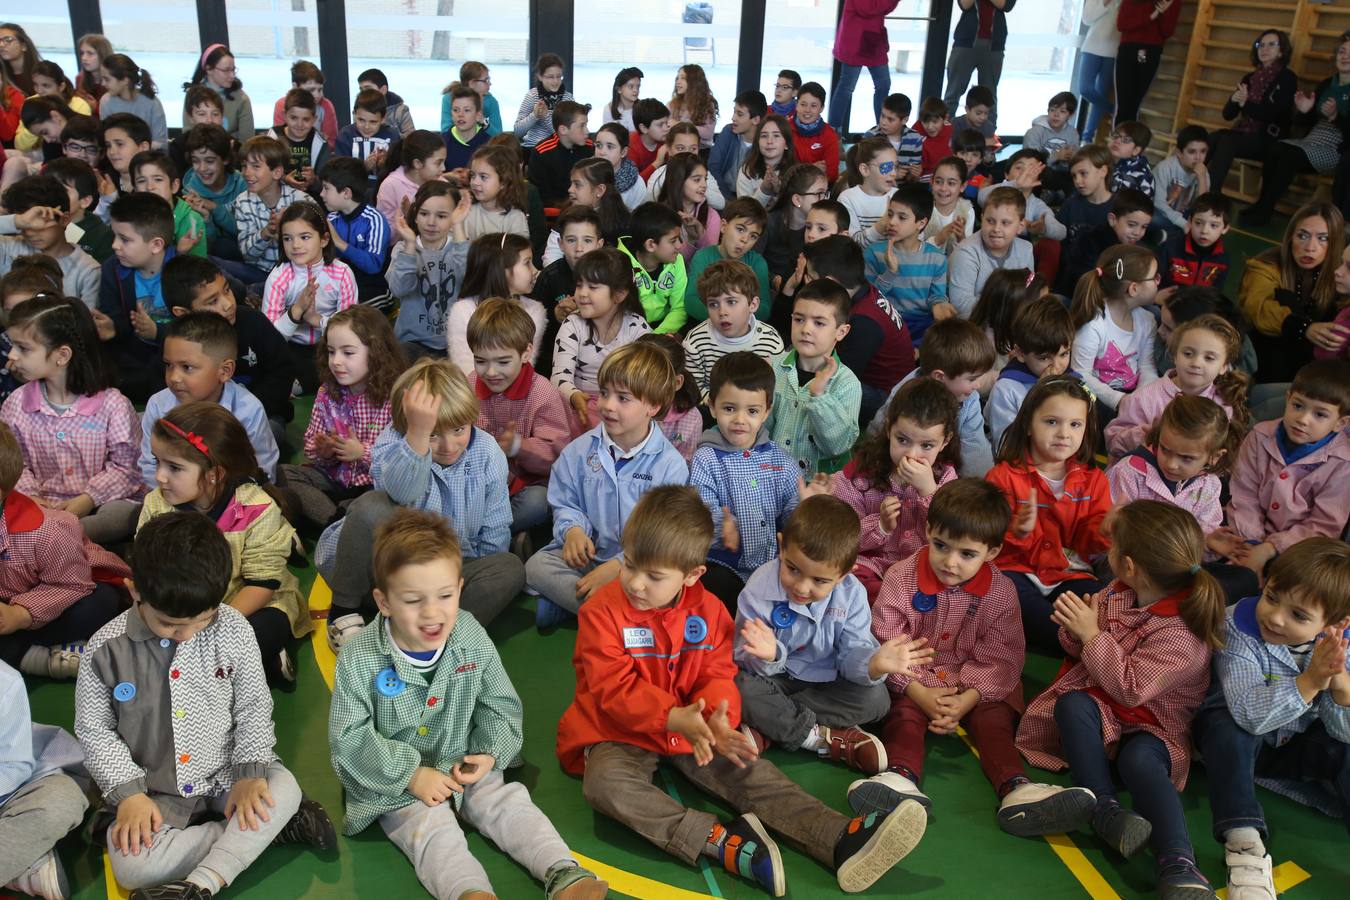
<point x="1073" y="520"/>
<point x="633" y="666"/>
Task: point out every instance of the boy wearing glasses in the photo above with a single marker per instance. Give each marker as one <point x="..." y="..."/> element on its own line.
<point x="1127" y="146"/>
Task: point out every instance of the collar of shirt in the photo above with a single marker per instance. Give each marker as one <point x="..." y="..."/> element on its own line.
<point x="616" y="452"/>
<point x="927" y="581"/>
<point x="31" y="400"/>
<point x="519" y="389"/>
<point x="422" y="661"/>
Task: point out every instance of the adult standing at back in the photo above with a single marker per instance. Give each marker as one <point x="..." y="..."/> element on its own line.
<point x="1097" y="62"/>
<point x="977" y="47"/>
<point x="861" y="43"/>
<point x="1145" y="25"/>
<point x="216" y="70"/>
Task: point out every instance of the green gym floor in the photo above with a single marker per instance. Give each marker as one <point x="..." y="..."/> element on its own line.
<point x="963" y="853"/>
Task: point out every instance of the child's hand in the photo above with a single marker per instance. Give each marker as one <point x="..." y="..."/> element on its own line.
<point x="432" y="786"/>
<point x="566" y="306"/>
<point x="914" y="171"/>
<point x="1024" y="520"/>
<point x="336" y="238"/>
<point x="458" y="176"/>
<point x="349" y="449"/>
<point x="39" y="217"/>
<point x="421" y="408"/>
<point x="1078" y="615"/>
<point x="540" y="109"/>
<point x="79" y="506"/>
<point x="251" y="799"/>
<point x="142" y="324"/>
<point x="325" y="445"/>
<point x="577" y="549"/>
<point x="103" y="325"/>
<point x="889" y="513"/>
<point x="953" y="708"/>
<point x="462" y="208"/>
<point x="731" y="535"/>
<point x="1328" y="656"/>
<point x="1255" y="558"/>
<point x="943" y="310"/>
<point x="797" y="277"/>
<point x="1065" y="154"/>
<point x="693" y="228"/>
<point x="900" y="656"/>
<point x="189" y="240"/>
<point x="1035" y="227"/>
<point x="821" y="381"/>
<point x="819" y="164"/>
<point x="507" y="439"/>
<point x="729" y="742"/>
<point x="688" y="721"/>
<point x="760" y="641"/>
<point x="106" y="186"/>
<point x="927" y="698"/>
<point x="1224" y="541"/>
<point x="660" y="156"/>
<point x="918" y="474"/>
<point x="578" y="403"/>
<point x="138" y="818"/>
<point x="1029" y="175"/>
<point x="14" y="618"/>
<point x="597" y="578"/>
<point x="892" y="256"/>
<point x="372" y="162"/>
<point x="472" y="768"/>
<point x="819" y="484"/>
<point x="769" y="184"/>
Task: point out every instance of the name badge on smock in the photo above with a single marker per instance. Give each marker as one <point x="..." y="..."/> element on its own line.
<point x="634" y="638"/>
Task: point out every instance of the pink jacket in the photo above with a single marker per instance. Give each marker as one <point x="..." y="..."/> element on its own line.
<point x="1141" y="408"/>
<point x="861" y="39"/>
<point x="541" y="421"/>
<point x="975" y="627"/>
<point x="1283" y="504"/>
<point x="1136" y="477"/>
<point x="877" y="550"/>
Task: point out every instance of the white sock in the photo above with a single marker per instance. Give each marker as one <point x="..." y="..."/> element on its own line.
<point x="1244" y="840"/>
<point x="207" y="880"/>
<point x="813" y="741"/>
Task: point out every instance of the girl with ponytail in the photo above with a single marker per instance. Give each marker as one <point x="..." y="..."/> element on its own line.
<point x="130" y="89"/>
<point x="1114" y="344"/>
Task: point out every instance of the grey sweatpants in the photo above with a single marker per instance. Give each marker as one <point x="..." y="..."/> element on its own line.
<point x="785" y="709"/>
<point x="431" y="837"/>
<point x="490" y="582"/>
<point x="113" y="522"/>
<point x="548" y="576"/>
<point x="223" y="847"/>
<point x="34" y="818"/>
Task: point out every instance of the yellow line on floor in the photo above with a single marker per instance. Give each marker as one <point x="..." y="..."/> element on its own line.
<point x="1287" y="875"/>
<point x="1078" y="865"/>
<point x="115" y="890"/>
<point x="320" y="598"/>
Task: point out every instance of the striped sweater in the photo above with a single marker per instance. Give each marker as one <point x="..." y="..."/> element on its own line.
<point x="337" y="291"/>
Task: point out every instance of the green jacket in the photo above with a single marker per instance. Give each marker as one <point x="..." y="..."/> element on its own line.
<point x="819" y="432"/>
<point x="662" y="299"/>
<point x="693" y="303"/>
<point x="381" y="729"/>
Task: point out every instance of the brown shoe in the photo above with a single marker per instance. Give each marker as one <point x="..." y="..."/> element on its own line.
<point x="756" y="737"/>
<point x="855" y="748"/>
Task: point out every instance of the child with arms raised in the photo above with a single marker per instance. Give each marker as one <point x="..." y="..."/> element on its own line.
<point x="181" y="647"/>
<point x="1039" y="342"/>
<point x="953" y="218"/>
<point x="418" y="781"/>
<point x="522" y="411"/>
<point x="1058" y="499"/>
<point x="811" y="670"/>
<point x="431" y="457"/>
<point x="950" y="596"/>
<point x="1136" y="673"/>
<point x="735" y="452"/>
<point x="153" y="171"/>
<point x="600" y="476"/>
<point x="632" y="711"/>
<point x="68" y="393"/>
<point x="360" y="360"/>
<point x="426" y="267"/>
<point x="1289" y="481"/>
<point x="498" y="265"/>
<point x="45" y="233"/>
<point x="204" y="462"/>
<point x="1278" y="708"/>
<point x="420" y="158"/>
<point x="1113" y="347"/>
<point x="894" y="474"/>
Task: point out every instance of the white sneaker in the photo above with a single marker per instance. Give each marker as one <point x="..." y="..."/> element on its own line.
<point x="1031" y="809"/>
<point x="343" y="629"/>
<point x="1249" y="876"/>
<point x="44" y="878"/>
<point x="59" y="662"/>
<point x="883" y="792"/>
<point x="287" y="665"/>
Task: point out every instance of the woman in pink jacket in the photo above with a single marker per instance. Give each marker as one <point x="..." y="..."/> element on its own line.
<point x="860" y="43"/>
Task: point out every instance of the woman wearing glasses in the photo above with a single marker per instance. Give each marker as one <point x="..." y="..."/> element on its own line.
<point x="1262" y="103"/>
<point x="18" y="56"/>
<point x="216" y="70"/>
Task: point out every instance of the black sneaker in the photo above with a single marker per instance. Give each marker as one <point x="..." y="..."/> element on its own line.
<point x="172" y="890"/>
<point x="1123" y="830"/>
<point x="1179" y="879"/>
<point x="750" y="853"/>
<point x="872" y="844"/>
<point x="310" y="825"/>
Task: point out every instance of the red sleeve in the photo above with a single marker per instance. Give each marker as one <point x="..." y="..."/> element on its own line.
<point x="717" y="680"/>
<point x="278" y="113"/>
<point x="1168" y="25"/>
<point x="832" y="154"/>
<point x="1134" y="14"/>
<point x="9" y="117"/>
<point x="1088" y="539"/>
<point x="1014" y="547"/>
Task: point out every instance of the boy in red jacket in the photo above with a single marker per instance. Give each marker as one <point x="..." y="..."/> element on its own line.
<point x="655" y="682"/>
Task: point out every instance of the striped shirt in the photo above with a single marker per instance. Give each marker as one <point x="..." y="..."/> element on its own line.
<point x="251" y="214"/>
<point x="705" y="345"/>
<point x="337" y="291"/>
<point x="918" y="283"/>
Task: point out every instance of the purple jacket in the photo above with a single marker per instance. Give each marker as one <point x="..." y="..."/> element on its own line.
<point x="1136" y="477"/>
<point x="861" y="39"/>
<point x="1139" y="410"/>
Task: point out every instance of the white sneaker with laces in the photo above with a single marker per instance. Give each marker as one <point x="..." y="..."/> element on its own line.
<point x="883" y="793"/>
<point x="61" y="662"/>
<point x="1249" y="876"/>
<point x="343" y="629"/>
<point x="44" y="878"/>
<point x="1033" y="809"/>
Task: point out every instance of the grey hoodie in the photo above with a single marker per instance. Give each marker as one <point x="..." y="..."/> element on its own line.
<point x="426" y="283"/>
<point x="1040" y="136"/>
<point x="713" y="437"/>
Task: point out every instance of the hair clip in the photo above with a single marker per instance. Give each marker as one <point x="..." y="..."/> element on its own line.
<point x="1098" y="270"/>
<point x="1195" y="569"/>
<point x="1031" y="276"/>
<point x="503" y="243"/>
<point x="1120" y="268"/>
<point x="192" y="438"/>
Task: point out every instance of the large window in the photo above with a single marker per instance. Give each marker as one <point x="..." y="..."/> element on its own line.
<point x="266" y="36"/>
<point x="420" y="44"/>
<point x="657" y="36"/>
<point x="143" y="30"/>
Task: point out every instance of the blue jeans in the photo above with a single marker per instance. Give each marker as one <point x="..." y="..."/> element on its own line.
<point x="529" y="507"/>
<point x="843" y="92"/>
<point x="1144" y="765"/>
<point x="1097" y="84"/>
<point x="1235" y="756"/>
<point x="1042" y="634"/>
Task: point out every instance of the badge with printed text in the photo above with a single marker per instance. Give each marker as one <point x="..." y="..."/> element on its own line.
<point x="638" y="638"/>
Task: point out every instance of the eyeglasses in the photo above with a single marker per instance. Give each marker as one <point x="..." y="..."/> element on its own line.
<point x="487" y="80"/>
<point x="1123" y="138"/>
<point x="1269" y="45"/>
<point x="783" y="86"/>
<point x="817" y="194"/>
<point x="7" y="39"/>
<point x="226" y="70"/>
<point x="75" y="148"/>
